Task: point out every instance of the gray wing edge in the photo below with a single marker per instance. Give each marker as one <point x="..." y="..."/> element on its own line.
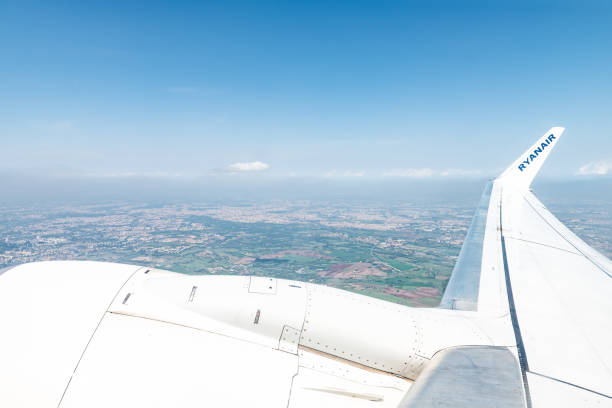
<point x="468" y="377"/>
<point x="2" y="270"/>
<point x="462" y="290"/>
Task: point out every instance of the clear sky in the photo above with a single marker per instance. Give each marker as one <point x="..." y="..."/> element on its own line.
<point x="353" y="90"/>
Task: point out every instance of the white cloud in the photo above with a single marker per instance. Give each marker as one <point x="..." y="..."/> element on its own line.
<point x="598" y="168"/>
<point x="409" y="173"/>
<point x="343" y="174"/>
<point x="248" y="166"/>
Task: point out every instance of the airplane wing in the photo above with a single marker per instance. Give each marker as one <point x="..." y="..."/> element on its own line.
<point x="557" y="289"/>
<point x="525" y="322"/>
<point x="560" y="292"/>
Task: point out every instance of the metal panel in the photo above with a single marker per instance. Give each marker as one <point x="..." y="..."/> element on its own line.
<point x="262" y="285"/>
<point x="138" y="362"/>
<point x="561" y="297"/>
<point x="550" y="392"/>
<point x="289" y="340"/>
<point x="48" y="313"/>
<point x="474" y="377"/>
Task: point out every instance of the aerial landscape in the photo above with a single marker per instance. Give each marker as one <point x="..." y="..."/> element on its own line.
<point x="399" y="252"/>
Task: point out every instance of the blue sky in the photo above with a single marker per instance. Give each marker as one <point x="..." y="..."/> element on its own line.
<point x="352" y="90"/>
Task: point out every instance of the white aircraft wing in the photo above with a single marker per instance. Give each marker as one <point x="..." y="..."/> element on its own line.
<point x="526" y="321"/>
<point x="557" y="289"/>
<point x="560" y="291"/>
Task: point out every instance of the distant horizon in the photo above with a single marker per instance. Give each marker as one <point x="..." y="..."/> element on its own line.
<point x="61" y="190"/>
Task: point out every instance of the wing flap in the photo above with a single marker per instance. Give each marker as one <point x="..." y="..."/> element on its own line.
<point x="474" y="377"/>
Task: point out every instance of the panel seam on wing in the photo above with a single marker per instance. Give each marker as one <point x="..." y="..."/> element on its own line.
<point x="565" y="238"/>
<point x="94" y="332"/>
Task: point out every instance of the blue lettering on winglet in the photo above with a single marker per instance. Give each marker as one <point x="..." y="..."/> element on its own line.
<point x="534" y="155"/>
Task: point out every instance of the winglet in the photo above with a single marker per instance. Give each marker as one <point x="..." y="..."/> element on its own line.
<point x="521" y="173"/>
